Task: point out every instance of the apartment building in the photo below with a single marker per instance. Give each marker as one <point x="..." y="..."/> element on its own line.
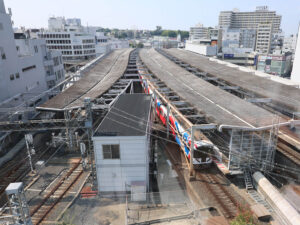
<point x="264" y="38"/>
<point x="249" y="20"/>
<point x="27" y="66"/>
<point x="265" y="22"/>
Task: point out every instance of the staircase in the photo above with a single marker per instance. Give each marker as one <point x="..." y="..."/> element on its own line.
<point x="253" y="193"/>
<point x="248" y="180"/>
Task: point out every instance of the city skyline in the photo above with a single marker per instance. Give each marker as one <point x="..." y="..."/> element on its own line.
<point x="148" y="14"/>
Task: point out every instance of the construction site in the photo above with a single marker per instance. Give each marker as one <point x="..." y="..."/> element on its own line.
<point x="153" y="136"/>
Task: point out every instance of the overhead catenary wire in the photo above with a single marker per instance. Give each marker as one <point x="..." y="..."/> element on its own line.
<point x="250" y="157"/>
<point x="124" y="124"/>
<point x="225" y="149"/>
<point x="237" y="155"/>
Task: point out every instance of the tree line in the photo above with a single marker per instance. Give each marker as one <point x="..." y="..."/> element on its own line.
<point x="117" y="33"/>
<point x="169" y="33"/>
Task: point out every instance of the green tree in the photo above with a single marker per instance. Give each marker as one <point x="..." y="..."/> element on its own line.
<point x="140" y="45"/>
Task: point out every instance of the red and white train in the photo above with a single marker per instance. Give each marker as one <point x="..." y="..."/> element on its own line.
<point x="203" y="149"/>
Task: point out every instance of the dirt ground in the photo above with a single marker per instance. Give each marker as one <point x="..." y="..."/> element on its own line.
<point x="96" y="211"/>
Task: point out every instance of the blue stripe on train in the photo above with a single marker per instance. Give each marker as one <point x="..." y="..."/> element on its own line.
<point x="186" y="150"/>
<point x="176" y="124"/>
<point x="178" y="140"/>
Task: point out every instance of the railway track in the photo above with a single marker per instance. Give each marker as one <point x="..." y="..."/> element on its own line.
<point x="42" y="210"/>
<point x="208" y="184"/>
<point x="289" y="152"/>
<point x="17" y="168"/>
<point x="224" y="199"/>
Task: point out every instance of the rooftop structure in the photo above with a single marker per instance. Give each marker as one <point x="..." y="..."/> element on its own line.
<point x="93" y="83"/>
<point x="127" y="117"/>
<point x="220" y="106"/>
<point x="202" y="47"/>
<point x="263" y="86"/>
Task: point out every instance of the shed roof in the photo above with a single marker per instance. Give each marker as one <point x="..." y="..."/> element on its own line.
<point x="218" y="105"/>
<point x="127" y="117"/>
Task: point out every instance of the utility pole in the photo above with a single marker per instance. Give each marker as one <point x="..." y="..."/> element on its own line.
<point x="30" y="149"/>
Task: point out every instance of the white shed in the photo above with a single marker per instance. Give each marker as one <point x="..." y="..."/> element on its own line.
<point x="121" y="144"/>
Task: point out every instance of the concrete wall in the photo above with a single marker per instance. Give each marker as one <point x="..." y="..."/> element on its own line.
<point x="296" y="67"/>
<point x="133" y="165"/>
<point x="201" y="49"/>
<point x="13" y="63"/>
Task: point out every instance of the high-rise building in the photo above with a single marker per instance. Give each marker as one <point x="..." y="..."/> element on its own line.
<point x="27" y="66"/>
<point x="265" y="22"/>
<point x="249" y="20"/>
<point x="264" y="38"/>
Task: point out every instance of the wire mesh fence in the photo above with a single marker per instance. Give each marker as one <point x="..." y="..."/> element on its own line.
<point x="161" y="207"/>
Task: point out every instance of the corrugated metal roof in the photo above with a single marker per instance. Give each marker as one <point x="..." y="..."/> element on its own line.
<point x="128" y="116"/>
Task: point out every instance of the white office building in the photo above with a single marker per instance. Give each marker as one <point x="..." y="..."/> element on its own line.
<point x="27" y="66"/>
<point x="68" y="37"/>
<point x="289" y="43"/>
<point x="239" y="38"/>
<point x="199" y="32"/>
<point x="296" y="67"/>
<point x="106" y="44"/>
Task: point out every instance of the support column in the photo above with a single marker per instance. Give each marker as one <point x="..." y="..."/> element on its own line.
<point x="192" y="152"/>
<point x="168" y="120"/>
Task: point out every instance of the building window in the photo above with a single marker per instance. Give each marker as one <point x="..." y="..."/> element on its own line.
<point x="17" y="75"/>
<point x="12" y="77"/>
<point x="28" y="68"/>
<point x="3" y="56"/>
<point x="111" y="151"/>
<point x="36" y="49"/>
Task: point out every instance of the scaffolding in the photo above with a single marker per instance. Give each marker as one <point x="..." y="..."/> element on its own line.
<point x="253" y="149"/>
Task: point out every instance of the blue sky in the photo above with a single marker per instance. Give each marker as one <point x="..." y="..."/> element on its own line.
<point x="145" y="14"/>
